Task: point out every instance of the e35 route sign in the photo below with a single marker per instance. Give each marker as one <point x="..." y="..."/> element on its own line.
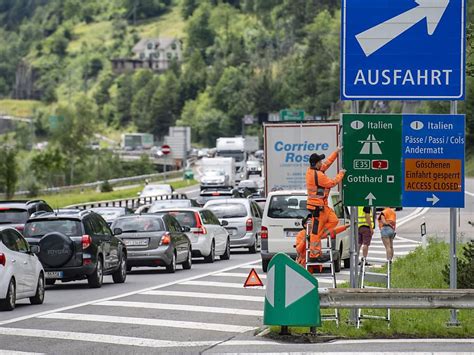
<point x="404" y="160"/>
<point x="403" y="49"/>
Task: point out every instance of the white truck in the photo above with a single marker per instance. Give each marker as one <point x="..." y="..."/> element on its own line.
<point x="234" y="147"/>
<point x="217" y="172"/>
<point x="287" y="151"/>
<point x="252" y="144"/>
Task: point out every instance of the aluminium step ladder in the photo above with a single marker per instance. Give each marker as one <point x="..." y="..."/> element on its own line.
<point x="374" y="277"/>
<point x="320" y="265"/>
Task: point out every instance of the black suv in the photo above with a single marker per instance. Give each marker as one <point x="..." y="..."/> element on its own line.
<point x="15" y="213"/>
<point x="76" y="246"/>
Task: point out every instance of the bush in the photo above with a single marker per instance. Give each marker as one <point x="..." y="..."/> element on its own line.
<point x="33" y="190"/>
<point x="106" y="187"/>
<point x="465" y="268"/>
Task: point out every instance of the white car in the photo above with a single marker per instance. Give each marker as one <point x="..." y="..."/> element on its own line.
<point x="208" y="237"/>
<point x="214" y="178"/>
<point x="21" y="273"/>
<point x="282" y="216"/>
<point x="156" y="190"/>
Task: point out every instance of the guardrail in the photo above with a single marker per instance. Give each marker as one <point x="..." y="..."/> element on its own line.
<point x="396" y="298"/>
<point x="96" y="184"/>
<point x="132" y="203"/>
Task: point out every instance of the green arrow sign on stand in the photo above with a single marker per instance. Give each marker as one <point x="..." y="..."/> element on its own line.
<point x="373" y="160"/>
<point x="292" y="297"/>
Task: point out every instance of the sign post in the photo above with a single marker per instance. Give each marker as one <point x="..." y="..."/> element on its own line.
<point x="165" y="149"/>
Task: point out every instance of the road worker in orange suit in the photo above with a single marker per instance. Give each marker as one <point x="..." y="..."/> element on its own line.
<point x="318" y="185"/>
<point x="300" y="244"/>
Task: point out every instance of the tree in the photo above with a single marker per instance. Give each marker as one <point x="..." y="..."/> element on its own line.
<point x="193" y="80"/>
<point x="8" y="171"/>
<point x="164" y="103"/>
<point x="188" y="7"/>
<point x="199" y="31"/>
<point x="122" y="100"/>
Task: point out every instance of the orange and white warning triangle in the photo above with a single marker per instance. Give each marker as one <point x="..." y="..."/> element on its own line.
<point x="253" y="279"/>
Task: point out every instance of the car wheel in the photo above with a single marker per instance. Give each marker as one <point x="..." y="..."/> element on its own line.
<point x="265" y="265"/>
<point x="171" y="268"/>
<point x="8" y="304"/>
<point x="226" y="255"/>
<point x="189" y="260"/>
<point x="212" y="255"/>
<point x="347" y="263"/>
<point x="50" y="282"/>
<point x="120" y="275"/>
<point x="38" y="298"/>
<point x="254" y="248"/>
<point x="96" y="279"/>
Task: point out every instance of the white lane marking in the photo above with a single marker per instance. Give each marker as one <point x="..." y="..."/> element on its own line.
<point x="385" y="341"/>
<point x="251" y="267"/>
<point x="411" y="217"/>
<point x="182" y="307"/>
<point x="395" y="245"/>
<point x="382" y="252"/>
<point x="216" y="284"/>
<point x="150" y="322"/>
<point x="12" y="352"/>
<point x="217" y="296"/>
<point x="102" y="338"/>
<point x="469" y="193"/>
<point x="156" y="287"/>
<point x="237" y="274"/>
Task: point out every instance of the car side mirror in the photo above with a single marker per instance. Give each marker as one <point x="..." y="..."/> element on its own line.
<point x="34" y="249"/>
<point x="224" y="223"/>
<point x="118" y="231"/>
<point x="185" y="229"/>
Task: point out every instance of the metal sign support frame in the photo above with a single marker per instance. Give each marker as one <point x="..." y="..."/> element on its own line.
<point x="453" y="322"/>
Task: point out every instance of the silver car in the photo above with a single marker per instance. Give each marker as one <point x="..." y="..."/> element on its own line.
<point x="244" y="219"/>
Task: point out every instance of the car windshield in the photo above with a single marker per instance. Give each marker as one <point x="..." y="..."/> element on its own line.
<point x="139" y="224"/>
<point x="227" y="210"/>
<point x="288" y="206"/>
<point x="214" y="173"/>
<point x="185" y="218"/>
<point x="39" y="228"/>
<point x="160" y="205"/>
<point x="13" y="216"/>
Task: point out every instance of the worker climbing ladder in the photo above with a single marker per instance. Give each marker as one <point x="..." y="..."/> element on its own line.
<point x="365" y="277"/>
<point x="311" y="265"/>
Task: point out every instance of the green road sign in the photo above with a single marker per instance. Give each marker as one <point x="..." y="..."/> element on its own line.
<point x="55" y="121"/>
<point x="292" y="297"/>
<point x="372" y="158"/>
<point x="292" y="115"/>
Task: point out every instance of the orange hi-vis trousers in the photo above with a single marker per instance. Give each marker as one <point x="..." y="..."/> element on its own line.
<point x="327" y="227"/>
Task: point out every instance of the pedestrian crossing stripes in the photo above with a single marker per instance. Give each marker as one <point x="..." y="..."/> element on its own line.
<point x="227" y="328"/>
<point x="181" y="307"/>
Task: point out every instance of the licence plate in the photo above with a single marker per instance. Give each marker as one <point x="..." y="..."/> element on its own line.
<point x="54" y="274"/>
<point x="136" y="242"/>
<point x="232" y="231"/>
<point x="291" y="234"/>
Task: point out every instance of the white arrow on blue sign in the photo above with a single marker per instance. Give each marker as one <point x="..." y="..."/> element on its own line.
<point x="403" y="49"/>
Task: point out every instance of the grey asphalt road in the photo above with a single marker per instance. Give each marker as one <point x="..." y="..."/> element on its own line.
<point x="201" y="310"/>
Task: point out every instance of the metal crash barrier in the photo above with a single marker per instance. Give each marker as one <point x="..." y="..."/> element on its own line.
<point x="396" y="298"/>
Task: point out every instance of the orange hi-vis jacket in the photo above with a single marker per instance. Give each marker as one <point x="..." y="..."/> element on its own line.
<point x="318" y="186"/>
<point x="390" y="217"/>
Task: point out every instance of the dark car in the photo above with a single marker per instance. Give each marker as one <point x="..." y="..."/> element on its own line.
<point x="77" y="246"/>
<point x="214" y="194"/>
<point x="155" y="240"/>
<point x="16" y="212"/>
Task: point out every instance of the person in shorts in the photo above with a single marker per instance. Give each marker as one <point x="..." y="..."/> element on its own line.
<point x="387" y="223"/>
<point x="365" y="231"/>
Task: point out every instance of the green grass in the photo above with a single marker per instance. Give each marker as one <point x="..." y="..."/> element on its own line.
<point x="168" y="25"/>
<point x="19" y="108"/>
<point x="67" y="199"/>
<point x="92" y="34"/>
<point x="419" y="269"/>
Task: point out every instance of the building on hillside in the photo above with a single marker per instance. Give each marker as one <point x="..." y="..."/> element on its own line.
<point x="155" y="54"/>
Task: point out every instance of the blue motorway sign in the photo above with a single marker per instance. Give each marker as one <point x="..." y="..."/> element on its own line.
<point x="433" y="160"/>
<point x="403" y="49"/>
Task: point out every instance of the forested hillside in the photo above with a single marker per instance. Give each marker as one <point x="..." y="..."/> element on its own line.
<point x="240" y="57"/>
